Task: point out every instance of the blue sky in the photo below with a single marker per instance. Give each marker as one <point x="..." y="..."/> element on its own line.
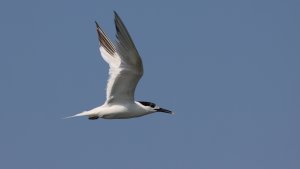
<point x="229" y="69"/>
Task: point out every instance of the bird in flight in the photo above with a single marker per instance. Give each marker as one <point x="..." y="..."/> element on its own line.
<point x="125" y="71"/>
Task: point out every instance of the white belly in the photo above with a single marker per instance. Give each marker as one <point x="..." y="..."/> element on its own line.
<point x="122" y="112"/>
<point x="121" y="115"/>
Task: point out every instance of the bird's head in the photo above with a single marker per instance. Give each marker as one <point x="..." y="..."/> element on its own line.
<point x="152" y="107"/>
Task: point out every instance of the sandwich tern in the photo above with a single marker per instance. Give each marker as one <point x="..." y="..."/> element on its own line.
<point x="125" y="71"/>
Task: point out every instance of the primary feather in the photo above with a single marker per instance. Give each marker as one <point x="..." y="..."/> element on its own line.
<point x="125" y="64"/>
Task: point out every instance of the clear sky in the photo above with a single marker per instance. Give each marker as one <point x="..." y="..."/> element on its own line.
<point x="229" y="69"/>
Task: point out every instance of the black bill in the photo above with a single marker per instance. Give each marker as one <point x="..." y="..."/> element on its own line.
<point x="164" y="110"/>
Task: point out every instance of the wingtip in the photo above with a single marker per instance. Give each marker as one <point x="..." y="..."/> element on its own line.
<point x="115" y="13"/>
<point x="98" y="30"/>
<point x="97" y="25"/>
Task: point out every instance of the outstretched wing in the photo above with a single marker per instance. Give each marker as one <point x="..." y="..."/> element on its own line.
<point x="125" y="64"/>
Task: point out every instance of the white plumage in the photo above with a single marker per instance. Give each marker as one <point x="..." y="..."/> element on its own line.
<point x="125" y="71"/>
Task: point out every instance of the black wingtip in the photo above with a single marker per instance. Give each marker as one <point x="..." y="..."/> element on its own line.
<point x="97" y="25"/>
<point x="98" y="31"/>
<point x="115" y="13"/>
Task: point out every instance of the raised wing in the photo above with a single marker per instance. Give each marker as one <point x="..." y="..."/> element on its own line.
<point x="125" y="64"/>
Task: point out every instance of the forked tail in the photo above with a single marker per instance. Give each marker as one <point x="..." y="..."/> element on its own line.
<point x="85" y="113"/>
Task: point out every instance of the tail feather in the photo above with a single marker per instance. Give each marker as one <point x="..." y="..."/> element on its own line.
<point x="85" y="113"/>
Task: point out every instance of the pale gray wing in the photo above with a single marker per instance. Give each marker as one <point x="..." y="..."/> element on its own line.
<point x="125" y="64"/>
